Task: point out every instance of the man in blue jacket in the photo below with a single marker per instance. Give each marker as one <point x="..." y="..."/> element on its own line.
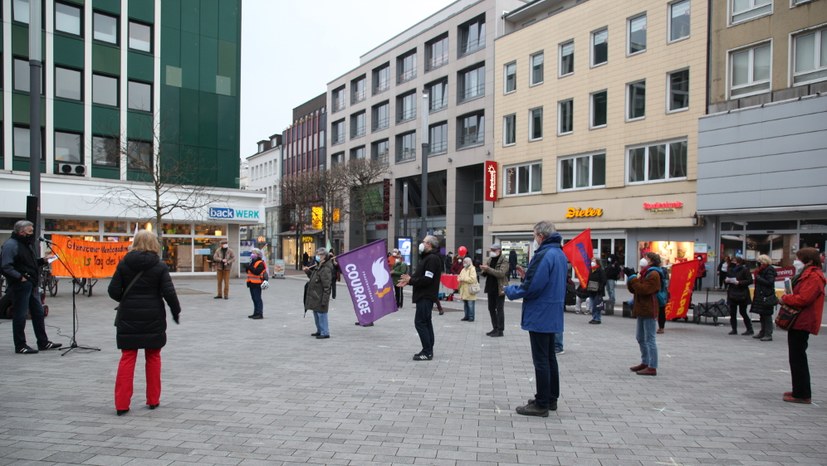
<point x="543" y="292"/>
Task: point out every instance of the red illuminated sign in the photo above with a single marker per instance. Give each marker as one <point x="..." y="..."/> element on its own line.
<point x="491" y="181"/>
<point x="662" y="206"/>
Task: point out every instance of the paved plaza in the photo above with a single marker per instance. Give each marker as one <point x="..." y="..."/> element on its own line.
<point x="240" y="392"/>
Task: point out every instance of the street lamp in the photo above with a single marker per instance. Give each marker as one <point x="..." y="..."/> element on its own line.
<point x="423" y="192"/>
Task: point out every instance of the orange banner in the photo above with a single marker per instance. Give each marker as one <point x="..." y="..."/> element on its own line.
<point x="87" y="259"/>
<point x="579" y="253"/>
<point x="681" y="285"/>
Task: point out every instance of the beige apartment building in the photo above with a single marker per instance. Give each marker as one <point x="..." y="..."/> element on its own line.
<point x="595" y="121"/>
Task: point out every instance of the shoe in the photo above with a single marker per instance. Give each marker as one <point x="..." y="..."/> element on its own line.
<point x="532" y="409"/>
<point x="26" y="350"/>
<point x="648" y="371"/>
<point x="492" y="332"/>
<point x="734" y="332"/>
<point x="766" y="338"/>
<point x="748" y="332"/>
<point x="322" y="337"/>
<point x="759" y="335"/>
<point x="441" y="312"/>
<point x="315" y="334"/>
<point x="366" y="325"/>
<point x="559" y="352"/>
<point x="788" y="394"/>
<point x="470" y="320"/>
<point x="595" y="322"/>
<point x="423" y="357"/>
<point x="256" y="316"/>
<point x="660" y="330"/>
<point x="121" y="412"/>
<point x="496" y="334"/>
<point x="792" y="399"/>
<point x="216" y="297"/>
<point x="464" y="319"/>
<point x="226" y="297"/>
<point x="639" y="367"/>
<point x="154" y="406"/>
<point x="551" y="407"/>
<point x="49" y="345"/>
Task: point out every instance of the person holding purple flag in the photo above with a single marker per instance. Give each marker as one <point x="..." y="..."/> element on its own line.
<point x="425" y="283"/>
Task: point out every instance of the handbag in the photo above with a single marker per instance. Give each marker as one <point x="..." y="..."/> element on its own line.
<point x="593" y="286"/>
<point x="786" y="317"/>
<point x="475" y="288"/>
<point x="129" y="287"/>
<point x="770" y="300"/>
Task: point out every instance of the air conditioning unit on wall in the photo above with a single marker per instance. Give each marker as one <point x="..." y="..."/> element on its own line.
<point x="75" y="169"/>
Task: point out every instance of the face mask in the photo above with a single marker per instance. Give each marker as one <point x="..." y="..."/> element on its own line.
<point x="799" y="266"/>
<point x="534" y="245"/>
<point x="467" y="265"/>
<point x="644" y="263"/>
<point x="594" y="265"/>
<point x="253" y="256"/>
<point x="224" y="246"/>
<point x="318" y="258"/>
<point x="421" y="248"/>
<point x="493" y="255"/>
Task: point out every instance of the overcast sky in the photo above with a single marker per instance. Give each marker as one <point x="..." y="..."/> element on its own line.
<point x="290" y="50"/>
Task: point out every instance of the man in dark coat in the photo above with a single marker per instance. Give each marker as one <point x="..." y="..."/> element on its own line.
<point x="425" y="282"/>
<point x="21" y="267"/>
<point x="317" y="297"/>
<point x="496" y="279"/>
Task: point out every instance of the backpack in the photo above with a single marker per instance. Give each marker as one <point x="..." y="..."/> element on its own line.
<point x="663" y="293"/>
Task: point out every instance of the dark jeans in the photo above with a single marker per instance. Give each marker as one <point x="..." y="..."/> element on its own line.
<point x="799" y="368"/>
<point x="735" y="308"/>
<point x="424" y="325"/>
<point x="258" y="305"/>
<point x="24" y="298"/>
<point x="496" y="305"/>
<point x="545" y="368"/>
<point x="397" y="291"/>
<point x="766" y="325"/>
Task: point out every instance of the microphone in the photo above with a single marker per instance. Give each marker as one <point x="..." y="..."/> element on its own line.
<point x="47" y="241"/>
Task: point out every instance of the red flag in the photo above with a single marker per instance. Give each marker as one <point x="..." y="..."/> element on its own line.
<point x="579" y="252"/>
<point x="681" y="285"/>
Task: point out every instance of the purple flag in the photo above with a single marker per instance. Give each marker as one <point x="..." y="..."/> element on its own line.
<point x="365" y="271"/>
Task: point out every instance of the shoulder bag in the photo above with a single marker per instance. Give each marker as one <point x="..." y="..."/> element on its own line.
<point x="593" y="286"/>
<point x="474" y="288"/>
<point x="786" y="317"/>
<point x="126" y="291"/>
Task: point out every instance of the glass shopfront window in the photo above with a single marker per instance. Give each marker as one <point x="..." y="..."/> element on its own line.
<point x="210" y="230"/>
<point x="116" y="227"/>
<point x="177" y="228"/>
<point x="203" y="251"/>
<point x="778" y="239"/>
<point x="670" y="252"/>
<point x="72" y="227"/>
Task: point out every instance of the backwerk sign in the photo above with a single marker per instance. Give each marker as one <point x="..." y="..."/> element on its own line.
<point x="229" y="213"/>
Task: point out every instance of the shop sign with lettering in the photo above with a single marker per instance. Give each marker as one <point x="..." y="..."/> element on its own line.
<point x="577" y="212"/>
<point x="228" y="213"/>
<point x="662" y="206"/>
<point x="490" y="180"/>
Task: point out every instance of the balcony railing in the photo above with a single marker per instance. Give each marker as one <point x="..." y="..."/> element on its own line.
<point x="406" y="114"/>
<point x="406" y="75"/>
<point x="358" y="96"/>
<point x="472" y="92"/>
<point x="437" y="61"/>
<point x="471" y="139"/>
<point x="405" y="154"/>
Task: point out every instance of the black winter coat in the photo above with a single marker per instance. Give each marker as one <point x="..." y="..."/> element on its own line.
<point x="597" y="275"/>
<point x="425" y="280"/>
<point x="764" y="287"/>
<point x="739" y="293"/>
<point x="142" y="321"/>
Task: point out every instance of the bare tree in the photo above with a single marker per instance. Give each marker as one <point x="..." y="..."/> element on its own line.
<point x="298" y="192"/>
<point x="362" y="176"/>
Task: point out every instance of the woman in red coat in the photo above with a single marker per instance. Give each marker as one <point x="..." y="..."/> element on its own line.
<point x="808" y="296"/>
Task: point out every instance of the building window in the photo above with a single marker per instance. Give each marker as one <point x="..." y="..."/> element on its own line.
<point x="472" y="35"/>
<point x="438" y="95"/>
<point x="636" y="39"/>
<point x="566" y="65"/>
<point x="22" y="144"/>
<point x="22" y="74"/>
<point x="470" y="130"/>
<point x="406" y="107"/>
<point x="406" y="147"/>
<point x="381" y="78"/>
<point x="337" y="159"/>
<point x="565" y="116"/>
<point x="436" y="52"/>
<point x="104" y="90"/>
<point x="801" y="2"/>
<point x="358" y="91"/>
<point x="678" y="90"/>
<point x="358" y="124"/>
<point x="510" y="77"/>
<point x="743" y="10"/>
<point x="599" y="102"/>
<point x="139" y="155"/>
<point x="105" y="151"/>
<point x="337" y="132"/>
<point x="68" y="83"/>
<point x="679" y="20"/>
<point x="636" y="100"/>
<point x="810" y="63"/>
<point x="338" y="98"/>
<point x="583" y="171"/>
<point x="523" y="179"/>
<point x="67" y="19"/>
<point x="600" y="47"/>
<point x="509" y="129"/>
<point x="750" y="70"/>
<point x="657" y="162"/>
<point x="535" y="124"/>
<point x="139" y="96"/>
<point x="406" y="67"/>
<point x="379" y="151"/>
<point x="438" y="138"/>
<point x="536" y="69"/>
<point x="20" y="12"/>
<point x="358" y="153"/>
<point x="471" y="83"/>
<point x="67" y="147"/>
<point x="380" y="116"/>
<point x="140" y="37"/>
<point x="105" y="28"/>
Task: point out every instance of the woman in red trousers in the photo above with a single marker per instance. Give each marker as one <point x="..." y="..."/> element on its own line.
<point x="141" y="284"/>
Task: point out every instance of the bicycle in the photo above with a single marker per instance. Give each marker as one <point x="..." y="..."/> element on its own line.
<point x="48" y="282"/>
<point x="84" y="285"/>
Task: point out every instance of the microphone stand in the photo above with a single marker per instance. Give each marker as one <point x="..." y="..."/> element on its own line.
<point x="73" y="344"/>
